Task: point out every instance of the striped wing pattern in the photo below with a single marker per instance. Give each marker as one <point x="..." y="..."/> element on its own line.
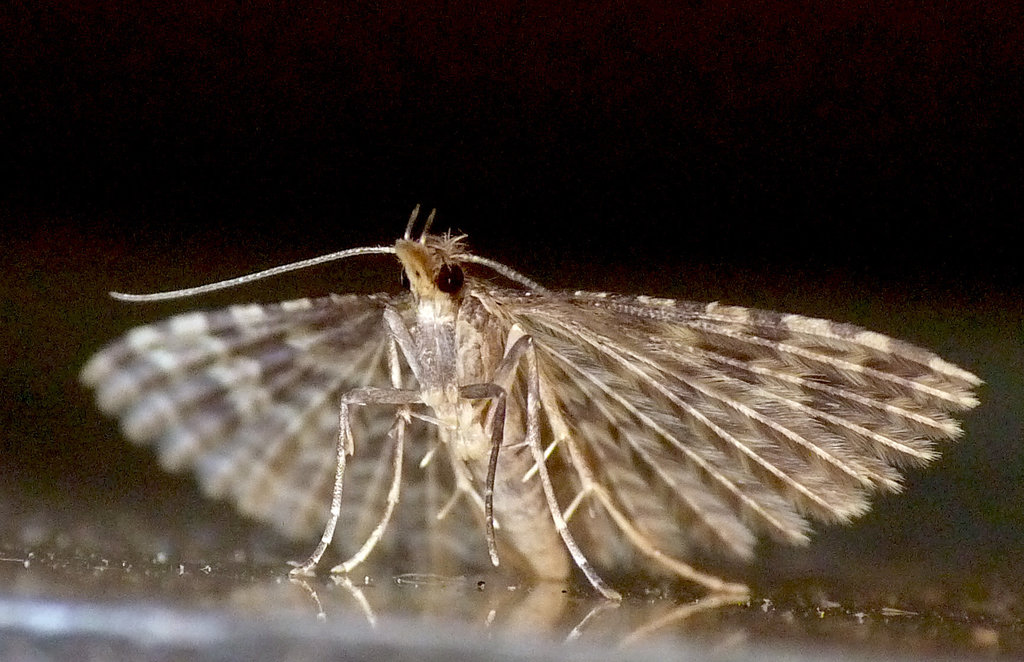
<point x="247" y="398"/>
<point x="711" y="424"/>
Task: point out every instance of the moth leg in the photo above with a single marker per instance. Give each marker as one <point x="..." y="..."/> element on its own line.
<point x="518" y="349"/>
<point x="533" y="406"/>
<point x="497" y="392"/>
<point x="402" y="340"/>
<point x="497" y="395"/>
<point x="397" y="433"/>
<point x="360" y="396"/>
<point x="401" y="337"/>
<point x="592" y="488"/>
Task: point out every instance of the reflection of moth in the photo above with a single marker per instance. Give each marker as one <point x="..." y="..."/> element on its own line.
<point x="662" y="424"/>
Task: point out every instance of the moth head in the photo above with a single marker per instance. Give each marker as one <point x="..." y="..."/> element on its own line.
<point x="427" y="271"/>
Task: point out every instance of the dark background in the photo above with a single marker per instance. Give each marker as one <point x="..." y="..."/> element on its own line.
<point x="861" y="163"/>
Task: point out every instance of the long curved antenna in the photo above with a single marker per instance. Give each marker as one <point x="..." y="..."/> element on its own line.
<point x="506" y="271"/>
<point x="248" y="278"/>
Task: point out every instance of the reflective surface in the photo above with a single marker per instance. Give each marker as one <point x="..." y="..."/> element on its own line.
<point x="71" y="581"/>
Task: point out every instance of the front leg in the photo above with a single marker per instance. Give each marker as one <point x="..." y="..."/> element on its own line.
<point x="345" y="446"/>
<point x="400" y="340"/>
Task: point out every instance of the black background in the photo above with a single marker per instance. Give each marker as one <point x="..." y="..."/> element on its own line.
<point x="862" y="163"/>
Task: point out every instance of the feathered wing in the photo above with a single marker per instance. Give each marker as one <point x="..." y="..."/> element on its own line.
<point x="711" y="424"/>
<point x="247" y="398"/>
<point x="689" y="423"/>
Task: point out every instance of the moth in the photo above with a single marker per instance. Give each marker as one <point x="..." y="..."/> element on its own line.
<point x="599" y="431"/>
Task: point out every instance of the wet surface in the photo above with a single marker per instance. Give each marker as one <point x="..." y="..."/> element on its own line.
<point x="183" y="578"/>
<point x="201" y="607"/>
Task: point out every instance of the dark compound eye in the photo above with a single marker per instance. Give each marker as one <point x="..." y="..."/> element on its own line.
<point x="450" y="278"/>
<point x="405" y="280"/>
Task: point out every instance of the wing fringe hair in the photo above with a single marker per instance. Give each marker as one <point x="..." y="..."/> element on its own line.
<point x="724" y="422"/>
<point x="691" y="424"/>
